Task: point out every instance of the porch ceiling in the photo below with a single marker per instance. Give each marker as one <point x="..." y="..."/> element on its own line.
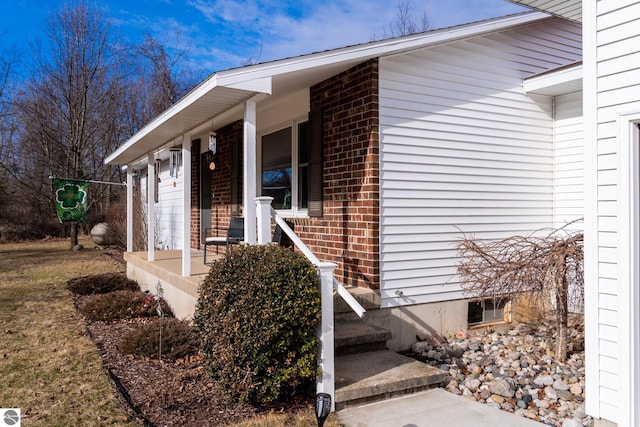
<point x="568" y="9"/>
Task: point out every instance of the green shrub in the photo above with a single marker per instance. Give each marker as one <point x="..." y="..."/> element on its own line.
<point x="122" y="305"/>
<point x="102" y="283"/>
<point x="257" y="313"/>
<point x="179" y="339"/>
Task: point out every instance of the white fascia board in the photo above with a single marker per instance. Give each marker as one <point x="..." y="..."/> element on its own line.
<point x="549" y="83"/>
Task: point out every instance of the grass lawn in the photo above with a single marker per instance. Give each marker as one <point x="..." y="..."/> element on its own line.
<point x="49" y="367"/>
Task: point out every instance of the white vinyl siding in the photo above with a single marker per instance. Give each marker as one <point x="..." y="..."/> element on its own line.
<point x="568" y="166"/>
<point x="618" y="89"/>
<point x="463" y="149"/>
<point x="169" y="210"/>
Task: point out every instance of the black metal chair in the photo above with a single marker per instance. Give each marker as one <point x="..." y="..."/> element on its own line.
<point x="280" y="237"/>
<point x="235" y="235"/>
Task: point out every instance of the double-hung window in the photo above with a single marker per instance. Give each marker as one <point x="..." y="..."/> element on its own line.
<point x="285" y="168"/>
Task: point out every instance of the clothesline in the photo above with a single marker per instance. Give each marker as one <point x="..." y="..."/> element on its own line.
<point x="91" y="180"/>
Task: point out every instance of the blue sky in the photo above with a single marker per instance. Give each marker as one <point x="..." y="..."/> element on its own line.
<point x="223" y="34"/>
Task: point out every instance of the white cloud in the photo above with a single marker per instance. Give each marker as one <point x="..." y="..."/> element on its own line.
<point x="225" y="34"/>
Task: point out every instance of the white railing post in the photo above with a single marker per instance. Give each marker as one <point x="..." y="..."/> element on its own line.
<point x="326" y="363"/>
<point x="263" y="215"/>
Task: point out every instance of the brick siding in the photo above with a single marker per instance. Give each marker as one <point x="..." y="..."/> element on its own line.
<point x="348" y="232"/>
<point x="194" y="227"/>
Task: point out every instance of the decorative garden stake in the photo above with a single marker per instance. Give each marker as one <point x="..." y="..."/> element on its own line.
<point x="159" y="294"/>
<point x="323" y="407"/>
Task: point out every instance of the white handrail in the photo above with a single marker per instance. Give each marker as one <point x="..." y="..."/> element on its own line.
<point x="342" y="291"/>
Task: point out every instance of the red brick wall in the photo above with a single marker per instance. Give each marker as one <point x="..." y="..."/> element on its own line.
<point x="348" y="231"/>
<point x="195" y="196"/>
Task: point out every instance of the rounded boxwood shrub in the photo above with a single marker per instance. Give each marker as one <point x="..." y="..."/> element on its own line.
<point x="257" y="313"/>
<point x="102" y="284"/>
<point x="122" y="305"/>
<point x="179" y="339"/>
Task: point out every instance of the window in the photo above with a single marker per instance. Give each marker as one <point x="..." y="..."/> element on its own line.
<point x="285" y="167"/>
<point x="488" y="311"/>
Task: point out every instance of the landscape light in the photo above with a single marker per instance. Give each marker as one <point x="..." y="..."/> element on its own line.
<point x="323" y="407"/>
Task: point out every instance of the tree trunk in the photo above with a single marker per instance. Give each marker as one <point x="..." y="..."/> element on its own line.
<point x="562" y="312"/>
<point x="74" y="234"/>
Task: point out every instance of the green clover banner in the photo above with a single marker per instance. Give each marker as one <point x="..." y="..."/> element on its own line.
<point x="71" y="199"/>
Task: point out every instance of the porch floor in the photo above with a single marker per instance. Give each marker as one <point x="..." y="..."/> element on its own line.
<point x="168" y="267"/>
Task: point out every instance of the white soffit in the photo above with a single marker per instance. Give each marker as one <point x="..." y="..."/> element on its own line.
<point x="555" y="82"/>
<point x="568" y="9"/>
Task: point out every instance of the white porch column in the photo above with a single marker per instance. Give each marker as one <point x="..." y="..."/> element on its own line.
<point x="130" y="208"/>
<point x="263" y="205"/>
<point x="151" y="207"/>
<point x="249" y="171"/>
<point x="326" y="333"/>
<point x="186" y="205"/>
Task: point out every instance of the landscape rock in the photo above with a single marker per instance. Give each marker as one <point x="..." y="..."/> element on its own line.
<point x="515" y="371"/>
<point x="575" y="389"/>
<point x="550" y="393"/>
<point x="503" y="387"/>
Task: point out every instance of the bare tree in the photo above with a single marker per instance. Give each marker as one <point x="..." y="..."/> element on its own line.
<point x="538" y="269"/>
<point x="70" y="106"/>
<point x="8" y="59"/>
<point x="87" y="93"/>
<point x="156" y="80"/>
<point x="407" y="21"/>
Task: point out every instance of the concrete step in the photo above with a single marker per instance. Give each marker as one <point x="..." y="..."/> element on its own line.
<point x="368" y="298"/>
<point x="355" y="336"/>
<point x="379" y="375"/>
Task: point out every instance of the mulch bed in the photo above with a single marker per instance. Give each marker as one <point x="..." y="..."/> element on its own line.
<point x="164" y="393"/>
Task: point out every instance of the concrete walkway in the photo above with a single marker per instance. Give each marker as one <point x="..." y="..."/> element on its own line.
<point x="431" y="408"/>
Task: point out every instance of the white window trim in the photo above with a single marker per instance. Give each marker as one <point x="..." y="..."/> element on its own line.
<point x="294" y="212"/>
<point x="629" y="271"/>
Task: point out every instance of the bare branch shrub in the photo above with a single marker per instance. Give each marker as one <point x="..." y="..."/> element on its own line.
<point x="539" y="269"/>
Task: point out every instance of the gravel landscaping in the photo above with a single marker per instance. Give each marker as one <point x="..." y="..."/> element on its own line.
<point x="513" y="369"/>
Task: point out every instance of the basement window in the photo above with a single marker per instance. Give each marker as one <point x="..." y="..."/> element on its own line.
<point x="488" y="311"/>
